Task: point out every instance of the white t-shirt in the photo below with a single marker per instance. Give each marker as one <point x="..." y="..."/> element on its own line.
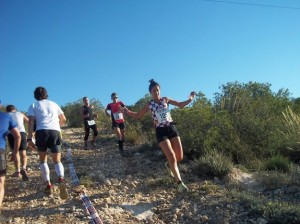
<point x="46" y="115"/>
<point x="18" y="117"/>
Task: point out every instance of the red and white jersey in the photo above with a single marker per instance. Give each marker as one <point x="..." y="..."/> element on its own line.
<point x="116" y="114"/>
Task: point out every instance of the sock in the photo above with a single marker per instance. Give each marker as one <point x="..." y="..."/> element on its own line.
<point x="45" y="171"/>
<point x="120" y="142"/>
<point x="59" y="168"/>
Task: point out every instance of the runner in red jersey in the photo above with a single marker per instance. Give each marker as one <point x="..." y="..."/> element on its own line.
<point x="117" y="118"/>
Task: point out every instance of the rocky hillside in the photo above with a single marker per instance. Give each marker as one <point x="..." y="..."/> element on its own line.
<point x="132" y="189"/>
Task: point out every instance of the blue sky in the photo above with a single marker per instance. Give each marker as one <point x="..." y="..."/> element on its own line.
<point x="77" y="48"/>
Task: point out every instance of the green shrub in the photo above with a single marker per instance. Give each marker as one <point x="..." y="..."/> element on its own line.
<point x="292" y="130"/>
<point x="210" y="188"/>
<point x="255" y="113"/>
<point x="272" y="179"/>
<point x="277" y="163"/>
<point x="281" y="212"/>
<point x="213" y="164"/>
<point x="253" y="164"/>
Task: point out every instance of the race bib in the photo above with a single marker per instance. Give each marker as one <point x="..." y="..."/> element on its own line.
<point x="91" y="122"/>
<point x="118" y="116"/>
<point x="163" y="116"/>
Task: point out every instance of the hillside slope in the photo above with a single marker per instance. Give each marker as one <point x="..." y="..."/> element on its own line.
<point x="133" y="189"/>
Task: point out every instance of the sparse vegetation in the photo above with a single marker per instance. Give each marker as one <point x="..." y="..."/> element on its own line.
<point x="277" y="163"/>
<point x="246" y="125"/>
<point x="213" y="164"/>
<point x="272" y="180"/>
<point x="281" y="212"/>
<point x="210" y="188"/>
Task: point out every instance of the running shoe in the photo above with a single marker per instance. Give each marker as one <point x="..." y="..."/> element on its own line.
<point x="182" y="187"/>
<point x="16" y="174"/>
<point x="168" y="169"/>
<point x="24" y="175"/>
<point x="62" y="188"/>
<point x="49" y="190"/>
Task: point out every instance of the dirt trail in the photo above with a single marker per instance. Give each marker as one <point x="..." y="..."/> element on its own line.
<point x="134" y="189"/>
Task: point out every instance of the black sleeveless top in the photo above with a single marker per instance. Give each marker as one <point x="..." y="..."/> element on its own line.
<point x="87" y="110"/>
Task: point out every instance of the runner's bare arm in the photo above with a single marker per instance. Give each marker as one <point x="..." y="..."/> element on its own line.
<point x="136" y="115"/>
<point x="30" y="144"/>
<point x="106" y="112"/>
<point x="17" y="141"/>
<point x="183" y="103"/>
<point x="62" y="119"/>
<point x="26" y="119"/>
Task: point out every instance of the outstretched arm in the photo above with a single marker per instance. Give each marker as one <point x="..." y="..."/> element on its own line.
<point x="183" y="103"/>
<point x="136" y="115"/>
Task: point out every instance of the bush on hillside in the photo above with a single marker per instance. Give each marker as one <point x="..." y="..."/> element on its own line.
<point x="73" y="113"/>
<point x="213" y="164"/>
<point x="192" y="124"/>
<point x="291" y="133"/>
<point x="277" y="163"/>
<point x="255" y="113"/>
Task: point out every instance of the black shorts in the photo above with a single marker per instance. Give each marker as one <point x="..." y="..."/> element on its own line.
<point x="11" y="140"/>
<point x="164" y="133"/>
<point x="48" y="139"/>
<point x="118" y="125"/>
<point x="3" y="164"/>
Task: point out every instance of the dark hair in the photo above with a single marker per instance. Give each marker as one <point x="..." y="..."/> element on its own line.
<point x="152" y="84"/>
<point x="84" y="98"/>
<point x="40" y="93"/>
<point x="113" y="94"/>
<point x="10" y="108"/>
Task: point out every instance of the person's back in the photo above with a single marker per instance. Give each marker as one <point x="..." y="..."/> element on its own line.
<point x="19" y="119"/>
<point x="46" y="115"/>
